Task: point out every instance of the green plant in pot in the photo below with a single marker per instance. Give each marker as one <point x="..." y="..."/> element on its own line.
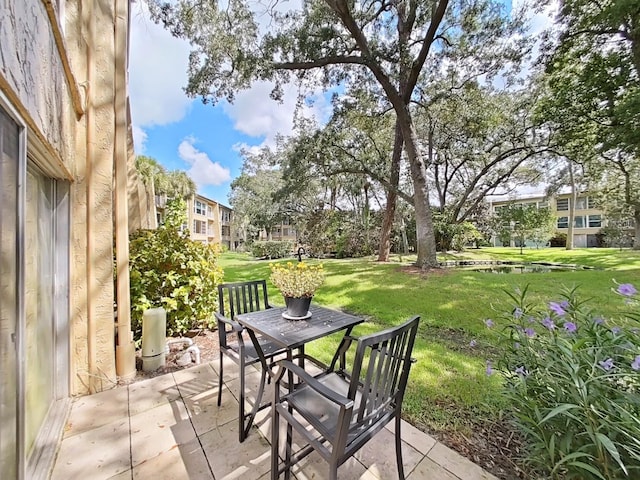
<point x="297" y="282"/>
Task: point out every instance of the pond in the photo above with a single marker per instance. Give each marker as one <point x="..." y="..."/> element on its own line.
<point x="513" y="267"/>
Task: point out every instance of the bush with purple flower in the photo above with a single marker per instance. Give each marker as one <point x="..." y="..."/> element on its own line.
<point x="573" y="386"/>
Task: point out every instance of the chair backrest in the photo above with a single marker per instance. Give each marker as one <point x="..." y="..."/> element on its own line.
<point x="380" y="372"/>
<point x="242" y="297"/>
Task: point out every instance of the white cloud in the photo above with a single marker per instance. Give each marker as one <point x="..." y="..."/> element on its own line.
<point x="254" y="113"/>
<point x="139" y="139"/>
<point x="203" y="170"/>
<point x="158" y="72"/>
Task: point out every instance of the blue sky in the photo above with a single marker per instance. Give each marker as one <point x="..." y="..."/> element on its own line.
<point x="183" y="133"/>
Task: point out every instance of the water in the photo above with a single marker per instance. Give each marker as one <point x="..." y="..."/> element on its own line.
<point x="505" y="267"/>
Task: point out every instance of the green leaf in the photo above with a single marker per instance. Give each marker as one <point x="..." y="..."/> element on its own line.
<point x="588" y="468"/>
<point x="611" y="448"/>
<point x="557" y="411"/>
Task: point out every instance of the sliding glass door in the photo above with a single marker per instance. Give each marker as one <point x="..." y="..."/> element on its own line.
<point x="9" y="173"/>
<point x="34" y="308"/>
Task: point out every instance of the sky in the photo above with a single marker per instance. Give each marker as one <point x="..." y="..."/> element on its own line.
<point x="185" y="134"/>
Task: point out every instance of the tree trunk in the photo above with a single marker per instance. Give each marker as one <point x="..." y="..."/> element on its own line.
<point x="392" y="198"/>
<point x="636" y="219"/>
<point x="425" y="237"/>
<point x="572" y="207"/>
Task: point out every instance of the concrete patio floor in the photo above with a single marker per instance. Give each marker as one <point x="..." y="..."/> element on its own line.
<point x="170" y="427"/>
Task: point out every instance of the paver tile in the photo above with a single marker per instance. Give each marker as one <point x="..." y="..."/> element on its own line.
<point x="457" y="464"/>
<point x="97" y="454"/>
<point x="231" y="460"/>
<point x="187" y="461"/>
<point x="205" y="413"/>
<point x="314" y="467"/>
<point x="379" y="455"/>
<point x="196" y="380"/>
<point x="159" y="430"/>
<point x="427" y="469"/>
<point x="150" y="393"/>
<point x="93" y="411"/>
<point x="419" y="440"/>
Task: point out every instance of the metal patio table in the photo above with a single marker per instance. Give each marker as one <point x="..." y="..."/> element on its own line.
<point x="293" y="335"/>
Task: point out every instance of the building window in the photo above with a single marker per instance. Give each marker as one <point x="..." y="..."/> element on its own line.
<point x="563" y="222"/>
<point x="200" y="227"/>
<point x="543" y="204"/>
<point x="209" y="211"/>
<point x="200" y="208"/>
<point x="579" y="222"/>
<point x="592" y="203"/>
<point x="581" y="203"/>
<point x="595" y="221"/>
<point x="562" y="204"/>
<point x="285" y="232"/>
<point x="226" y="216"/>
<point x="226" y="231"/>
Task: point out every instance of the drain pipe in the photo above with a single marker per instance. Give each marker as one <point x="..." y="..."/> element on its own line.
<point x="125" y="350"/>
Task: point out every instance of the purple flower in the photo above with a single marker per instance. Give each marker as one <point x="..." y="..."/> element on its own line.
<point x="517" y="313"/>
<point x="530" y="332"/>
<point x="636" y="363"/>
<point x="473" y="343"/>
<point x="531" y="319"/>
<point x="564" y="304"/>
<point x="521" y="371"/>
<point x="598" y="321"/>
<point x="489" y="368"/>
<point x="570" y="327"/>
<point x="556" y="308"/>
<point x="488" y="322"/>
<point x="626" y="289"/>
<point x="606" y="364"/>
<point x="615" y="330"/>
<point x="547" y="322"/>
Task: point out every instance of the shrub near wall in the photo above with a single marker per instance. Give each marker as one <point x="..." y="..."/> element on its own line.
<point x="271" y="249"/>
<point x="169" y="270"/>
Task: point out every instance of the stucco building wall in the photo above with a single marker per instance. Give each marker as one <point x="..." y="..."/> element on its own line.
<point x="60" y="75"/>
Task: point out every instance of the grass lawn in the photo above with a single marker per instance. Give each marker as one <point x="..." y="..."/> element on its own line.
<point x="449" y="390"/>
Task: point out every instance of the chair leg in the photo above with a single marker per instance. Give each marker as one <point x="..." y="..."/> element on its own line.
<point x="288" y="451"/>
<point x="275" y="438"/>
<point x="399" y="448"/>
<point x="241" y="435"/>
<point x="220" y="382"/>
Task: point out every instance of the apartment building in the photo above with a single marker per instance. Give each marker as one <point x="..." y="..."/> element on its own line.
<point x="283" y="231"/>
<point x="210" y="222"/>
<point x="587" y="222"/>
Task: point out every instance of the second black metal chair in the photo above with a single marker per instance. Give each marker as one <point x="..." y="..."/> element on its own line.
<point x="235" y="299"/>
<point x="338" y="412"/>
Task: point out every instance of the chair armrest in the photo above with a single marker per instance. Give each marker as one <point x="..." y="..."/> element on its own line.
<point x="312" y="383"/>
<point x="232" y="323"/>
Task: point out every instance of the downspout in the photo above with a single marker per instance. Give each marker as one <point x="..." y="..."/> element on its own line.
<point x="92" y="286"/>
<point x="125" y="350"/>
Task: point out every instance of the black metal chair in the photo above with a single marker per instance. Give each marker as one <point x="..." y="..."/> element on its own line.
<point x="337" y="412"/>
<point x="234" y="299"/>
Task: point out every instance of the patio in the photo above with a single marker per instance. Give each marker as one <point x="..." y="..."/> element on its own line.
<point x="169" y="427"/>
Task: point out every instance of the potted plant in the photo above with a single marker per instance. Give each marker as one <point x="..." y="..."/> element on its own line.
<point x="297" y="282"/>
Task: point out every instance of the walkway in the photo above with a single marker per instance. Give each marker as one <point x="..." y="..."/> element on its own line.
<point x="169" y="427"/>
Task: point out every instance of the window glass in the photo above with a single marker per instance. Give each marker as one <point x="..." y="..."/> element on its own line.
<point x="562" y="204"/>
<point x="595" y="221"/>
<point x="563" y="222"/>
<point x="581" y="203"/>
<point x="579" y="222"/>
<point x="9" y="161"/>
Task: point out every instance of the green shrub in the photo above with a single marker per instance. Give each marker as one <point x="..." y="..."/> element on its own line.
<point x="169" y="270"/>
<point x="573" y="381"/>
<point x="271" y="249"/>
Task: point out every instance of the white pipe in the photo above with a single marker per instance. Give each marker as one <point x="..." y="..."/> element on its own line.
<point x="173" y="341"/>
<point x="195" y="353"/>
